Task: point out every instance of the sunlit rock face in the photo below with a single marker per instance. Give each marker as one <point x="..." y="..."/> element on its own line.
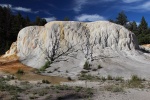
<point x="12" y="50"/>
<point x="69" y="44"/>
<point x="145" y="47"/>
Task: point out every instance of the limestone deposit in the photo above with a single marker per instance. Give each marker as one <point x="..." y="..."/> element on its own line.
<point x="12" y="50"/>
<point x="68" y="45"/>
<point x="146" y="47"/>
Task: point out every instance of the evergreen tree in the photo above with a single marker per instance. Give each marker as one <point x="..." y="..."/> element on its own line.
<point x="143" y="36"/>
<point x="43" y="22"/>
<point x="121" y="19"/>
<point x="143" y="27"/>
<point x="18" y="23"/>
<point x="134" y="28"/>
<point x="110" y="20"/>
<point x="5" y="28"/>
<point x="10" y="25"/>
<point x="1" y="30"/>
<point x="66" y="19"/>
<point x="142" y="31"/>
<point x="27" y="21"/>
<point x="39" y="21"/>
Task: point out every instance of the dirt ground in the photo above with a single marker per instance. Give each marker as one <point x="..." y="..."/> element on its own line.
<point x="107" y="91"/>
<point x="11" y="65"/>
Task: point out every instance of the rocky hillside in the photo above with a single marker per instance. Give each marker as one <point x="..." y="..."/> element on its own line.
<point x="98" y="48"/>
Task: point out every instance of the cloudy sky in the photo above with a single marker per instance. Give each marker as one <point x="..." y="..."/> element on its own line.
<point x="80" y="10"/>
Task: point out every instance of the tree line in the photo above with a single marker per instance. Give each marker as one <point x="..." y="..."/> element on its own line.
<point x="142" y="31"/>
<point x="11" y="24"/>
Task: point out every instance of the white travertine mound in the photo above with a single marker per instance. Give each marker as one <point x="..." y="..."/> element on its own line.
<point x="33" y="41"/>
<point x="69" y="44"/>
<point x="12" y="50"/>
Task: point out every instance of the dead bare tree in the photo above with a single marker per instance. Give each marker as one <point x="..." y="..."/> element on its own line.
<point x="55" y="52"/>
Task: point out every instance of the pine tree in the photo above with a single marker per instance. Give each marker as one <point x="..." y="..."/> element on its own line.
<point x="1" y="30"/>
<point x="143" y="27"/>
<point x="133" y="27"/>
<point x="121" y="19"/>
<point x="43" y="22"/>
<point x="39" y="21"/>
<point x="10" y="25"/>
<point x="144" y="36"/>
<point x="66" y="19"/>
<point x="110" y="20"/>
<point x="27" y="21"/>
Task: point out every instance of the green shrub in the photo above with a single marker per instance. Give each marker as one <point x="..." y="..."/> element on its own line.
<point x="56" y="69"/>
<point x="135" y="78"/>
<point x="86" y="66"/>
<point x="88" y="77"/>
<point x="89" y="91"/>
<point x="114" y="88"/>
<point x="49" y="72"/>
<point x="94" y="69"/>
<point x="69" y="78"/>
<point x="103" y="78"/>
<point x="45" y="81"/>
<point x="48" y="97"/>
<point x="46" y="65"/>
<point x="109" y="77"/>
<point x="60" y="87"/>
<point x="99" y="67"/>
<point x="135" y="82"/>
<point x="84" y="72"/>
<point x="66" y="71"/>
<point x="15" y="97"/>
<point x="32" y="97"/>
<point x="119" y="79"/>
<point x="78" y="89"/>
<point x="20" y="72"/>
<point x="43" y="92"/>
<point x="13" y="90"/>
<point x="117" y="89"/>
